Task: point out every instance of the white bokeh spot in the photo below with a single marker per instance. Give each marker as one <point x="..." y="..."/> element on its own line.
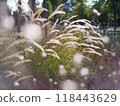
<point x="77" y="58"/>
<point x="106" y="39"/>
<point x="21" y="57"/>
<point x="32" y="31"/>
<point x="84" y="72"/>
<point x="62" y="70"/>
<point x="69" y="85"/>
<point x="16" y="83"/>
<point x="8" y="22"/>
<point x="44" y="54"/>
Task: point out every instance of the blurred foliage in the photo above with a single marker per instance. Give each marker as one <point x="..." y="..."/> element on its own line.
<point x="109" y="9"/>
<point x="56" y="3"/>
<point x="45" y="68"/>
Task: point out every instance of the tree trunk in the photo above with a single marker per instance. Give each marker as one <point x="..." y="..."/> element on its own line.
<point x="3" y="8"/>
<point x="45" y="6"/>
<point x="32" y="4"/>
<point x="45" y="15"/>
<point x="115" y="13"/>
<point x="3" y="11"/>
<point x="19" y="17"/>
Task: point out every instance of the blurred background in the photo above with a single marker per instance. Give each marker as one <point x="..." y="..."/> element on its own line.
<point x="109" y="9"/>
<point x="103" y="14"/>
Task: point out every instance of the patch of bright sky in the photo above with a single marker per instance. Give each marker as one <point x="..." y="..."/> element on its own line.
<point x="12" y="4"/>
<point x="89" y="2"/>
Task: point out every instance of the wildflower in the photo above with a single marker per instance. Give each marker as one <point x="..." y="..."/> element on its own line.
<point x="69" y="85"/>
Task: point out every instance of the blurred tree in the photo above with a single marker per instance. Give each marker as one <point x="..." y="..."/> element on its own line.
<point x="50" y="7"/>
<point x="45" y="6"/>
<point x="32" y="4"/>
<point x="3" y="10"/>
<point x="19" y="16"/>
<point x="103" y="8"/>
<point x="109" y="10"/>
<point x="81" y="9"/>
<point x="55" y="3"/>
<point x="45" y="15"/>
<point x="114" y="6"/>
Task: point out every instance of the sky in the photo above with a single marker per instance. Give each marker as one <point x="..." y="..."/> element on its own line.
<point x="89" y="2"/>
<point x="12" y="5"/>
